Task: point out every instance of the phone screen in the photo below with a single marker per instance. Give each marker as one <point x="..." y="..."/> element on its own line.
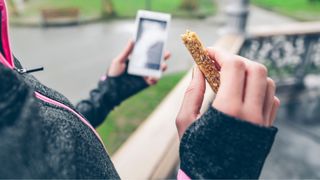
<point x="149" y="43"/>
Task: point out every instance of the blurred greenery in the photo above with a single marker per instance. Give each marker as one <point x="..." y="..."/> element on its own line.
<point x="126" y="118"/>
<point x="123" y="8"/>
<point x="128" y="8"/>
<point x="303" y="10"/>
<point x="87" y="7"/>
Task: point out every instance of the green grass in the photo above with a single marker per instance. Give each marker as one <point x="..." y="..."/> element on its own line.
<point x="301" y="10"/>
<point x="123" y="8"/>
<point x="126" y="118"/>
<point x="128" y="8"/>
<point x="87" y="7"/>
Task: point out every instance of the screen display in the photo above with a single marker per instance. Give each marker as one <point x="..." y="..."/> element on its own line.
<point x="149" y="43"/>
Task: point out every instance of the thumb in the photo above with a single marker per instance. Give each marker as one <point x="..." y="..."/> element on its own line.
<point x="192" y="101"/>
<point x="126" y="52"/>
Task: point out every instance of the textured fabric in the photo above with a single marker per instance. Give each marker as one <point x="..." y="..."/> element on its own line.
<point x="109" y="94"/>
<point x="64" y="145"/>
<point x="22" y="143"/>
<point x="47" y="141"/>
<point x="218" y="146"/>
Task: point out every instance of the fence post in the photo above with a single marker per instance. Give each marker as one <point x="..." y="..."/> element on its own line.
<point x="237" y="12"/>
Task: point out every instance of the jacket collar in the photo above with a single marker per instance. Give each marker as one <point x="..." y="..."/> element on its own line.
<point x="6" y="56"/>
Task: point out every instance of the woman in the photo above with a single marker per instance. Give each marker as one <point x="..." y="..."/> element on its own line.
<point x="44" y="136"/>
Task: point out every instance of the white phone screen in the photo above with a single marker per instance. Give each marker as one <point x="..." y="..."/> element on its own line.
<point x="149" y="43"/>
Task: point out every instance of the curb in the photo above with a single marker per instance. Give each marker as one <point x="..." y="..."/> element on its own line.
<point x="37" y="22"/>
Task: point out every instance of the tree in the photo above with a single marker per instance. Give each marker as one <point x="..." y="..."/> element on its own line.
<point x="190" y="4"/>
<point x="107" y="8"/>
<point x="17" y="6"/>
<point x="148" y="4"/>
<point x="314" y="1"/>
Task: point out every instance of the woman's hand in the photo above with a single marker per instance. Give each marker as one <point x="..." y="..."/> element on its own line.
<point x="246" y="92"/>
<point x="119" y="64"/>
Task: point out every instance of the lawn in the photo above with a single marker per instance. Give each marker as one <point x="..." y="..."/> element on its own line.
<point x="302" y="10"/>
<point x="123" y="8"/>
<point x="126" y="118"/>
<point x="128" y="8"/>
<point x="87" y="7"/>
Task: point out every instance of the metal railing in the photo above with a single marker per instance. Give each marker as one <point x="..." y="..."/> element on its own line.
<point x="290" y="52"/>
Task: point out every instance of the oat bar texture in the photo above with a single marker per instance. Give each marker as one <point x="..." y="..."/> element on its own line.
<point x="201" y="57"/>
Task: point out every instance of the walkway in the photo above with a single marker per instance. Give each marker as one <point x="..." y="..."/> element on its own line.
<point x="75" y="57"/>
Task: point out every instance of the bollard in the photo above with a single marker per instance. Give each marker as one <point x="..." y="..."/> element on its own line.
<point x="237" y="12"/>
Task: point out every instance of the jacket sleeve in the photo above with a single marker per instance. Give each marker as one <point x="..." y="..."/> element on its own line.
<point x="218" y="146"/>
<point x="111" y="91"/>
<point x="21" y="144"/>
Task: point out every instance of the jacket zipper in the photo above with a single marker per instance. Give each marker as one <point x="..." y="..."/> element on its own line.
<point x="23" y="71"/>
<point x="56" y="103"/>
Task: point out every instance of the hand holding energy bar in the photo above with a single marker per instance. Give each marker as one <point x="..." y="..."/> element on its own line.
<point x="200" y="55"/>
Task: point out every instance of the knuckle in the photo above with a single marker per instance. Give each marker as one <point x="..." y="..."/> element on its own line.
<point x="271" y="83"/>
<point x="260" y="70"/>
<point x="178" y="122"/>
<point x="190" y="89"/>
<point x="181" y="120"/>
<point x="237" y="64"/>
<point x="277" y="102"/>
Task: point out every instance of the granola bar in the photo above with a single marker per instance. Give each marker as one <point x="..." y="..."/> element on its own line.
<point x="200" y="55"/>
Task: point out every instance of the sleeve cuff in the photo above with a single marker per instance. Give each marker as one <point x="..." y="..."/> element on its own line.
<point x="220" y="146"/>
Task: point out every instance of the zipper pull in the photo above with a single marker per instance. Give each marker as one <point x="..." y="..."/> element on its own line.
<point x="23" y="71"/>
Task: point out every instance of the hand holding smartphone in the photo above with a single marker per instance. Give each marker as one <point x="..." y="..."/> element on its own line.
<point x="150" y="40"/>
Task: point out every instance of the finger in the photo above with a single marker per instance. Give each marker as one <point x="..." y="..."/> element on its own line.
<point x="164" y="67"/>
<point x="192" y="101"/>
<point x="167" y="55"/>
<point x="194" y="95"/>
<point x="269" y="99"/>
<point x="275" y="107"/>
<point x="255" y="90"/>
<point x="123" y="57"/>
<point x="151" y="81"/>
<point x="232" y="76"/>
<point x="219" y="56"/>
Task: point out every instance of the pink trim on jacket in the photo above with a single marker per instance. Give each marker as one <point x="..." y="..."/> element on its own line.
<point x="56" y="103"/>
<point x="7" y="57"/>
<point x="182" y="175"/>
<point x="7" y="60"/>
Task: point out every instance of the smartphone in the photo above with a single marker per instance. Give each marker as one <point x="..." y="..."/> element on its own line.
<point x="150" y="40"/>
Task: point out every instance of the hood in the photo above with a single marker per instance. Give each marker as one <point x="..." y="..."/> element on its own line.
<point x="6" y="57"/>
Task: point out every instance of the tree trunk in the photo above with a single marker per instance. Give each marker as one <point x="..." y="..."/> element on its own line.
<point x="190" y="4"/>
<point x="17" y="6"/>
<point x="107" y="8"/>
<point x="148" y="5"/>
<point x="314" y="1"/>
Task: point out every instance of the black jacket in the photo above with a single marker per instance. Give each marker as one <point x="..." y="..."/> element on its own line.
<point x="40" y="139"/>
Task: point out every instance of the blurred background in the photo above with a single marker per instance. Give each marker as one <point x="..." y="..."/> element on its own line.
<point x="75" y="40"/>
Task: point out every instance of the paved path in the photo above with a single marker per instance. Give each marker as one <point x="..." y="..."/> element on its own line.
<point x="75" y="57"/>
